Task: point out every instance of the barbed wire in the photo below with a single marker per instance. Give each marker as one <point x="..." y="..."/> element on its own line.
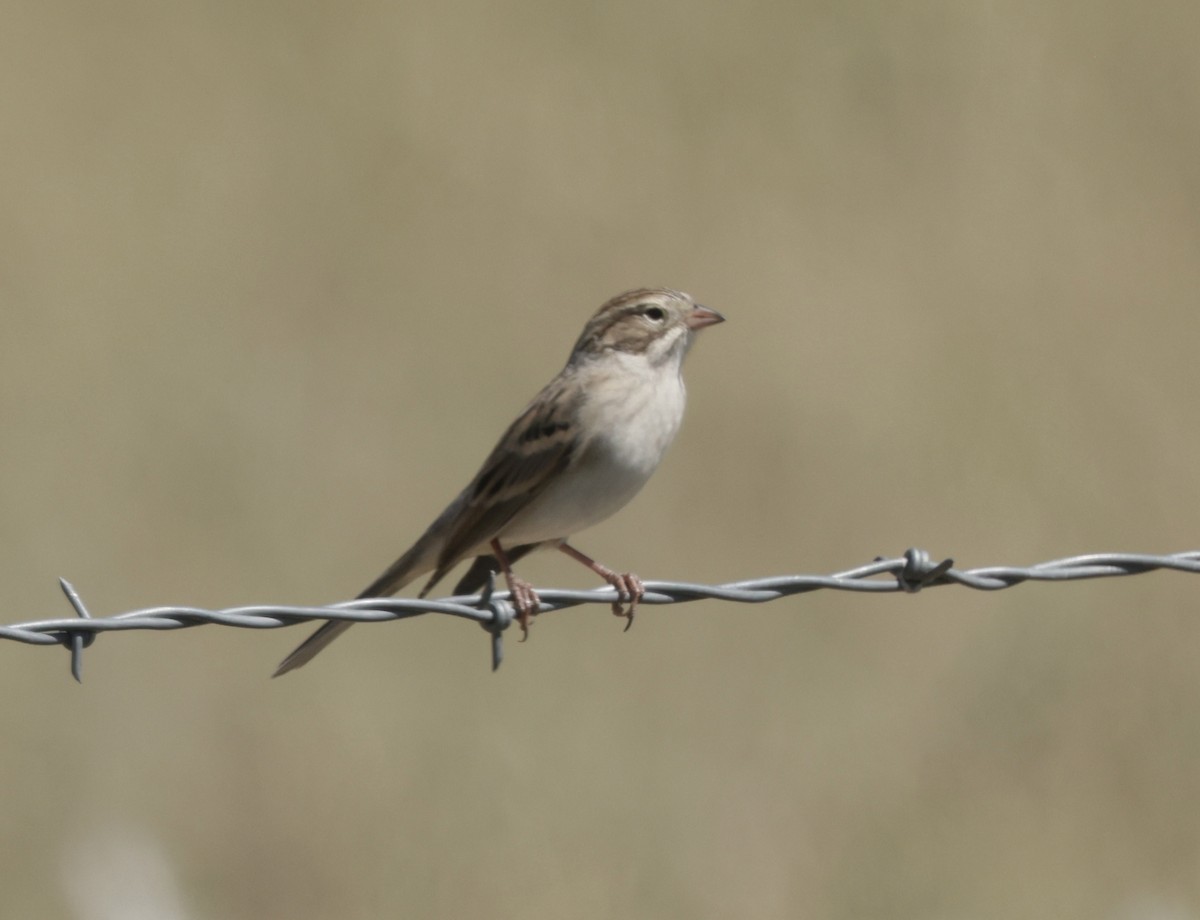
<point x="912" y="572"/>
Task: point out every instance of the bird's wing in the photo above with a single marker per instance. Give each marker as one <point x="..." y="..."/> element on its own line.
<point x="535" y="449"/>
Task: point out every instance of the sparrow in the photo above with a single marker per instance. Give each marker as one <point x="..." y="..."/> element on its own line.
<point x="583" y="447"/>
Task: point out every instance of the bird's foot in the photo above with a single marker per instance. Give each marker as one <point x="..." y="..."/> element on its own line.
<point x="525" y="600"/>
<point x="630" y="590"/>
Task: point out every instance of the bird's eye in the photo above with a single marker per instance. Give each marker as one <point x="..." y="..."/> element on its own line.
<point x="655" y="314"/>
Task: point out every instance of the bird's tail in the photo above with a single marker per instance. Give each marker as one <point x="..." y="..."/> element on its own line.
<point x="412" y="565"/>
<point x="304" y="652"/>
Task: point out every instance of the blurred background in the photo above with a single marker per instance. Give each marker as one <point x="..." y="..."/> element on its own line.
<point x="273" y="279"/>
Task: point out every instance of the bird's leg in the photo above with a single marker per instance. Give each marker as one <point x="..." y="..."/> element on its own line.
<point x="629" y="586"/>
<point x="524" y="598"/>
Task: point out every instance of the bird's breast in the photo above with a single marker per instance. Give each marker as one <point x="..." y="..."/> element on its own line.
<point x="625" y="431"/>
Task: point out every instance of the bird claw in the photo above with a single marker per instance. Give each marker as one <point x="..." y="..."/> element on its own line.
<point x="526" y="602"/>
<point x="629" y="590"/>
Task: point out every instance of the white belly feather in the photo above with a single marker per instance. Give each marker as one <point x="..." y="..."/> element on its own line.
<point x="631" y="426"/>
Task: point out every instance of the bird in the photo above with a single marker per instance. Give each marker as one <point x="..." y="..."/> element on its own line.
<point x="576" y="454"/>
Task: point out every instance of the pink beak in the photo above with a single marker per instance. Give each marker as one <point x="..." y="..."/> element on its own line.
<point x="702" y="316"/>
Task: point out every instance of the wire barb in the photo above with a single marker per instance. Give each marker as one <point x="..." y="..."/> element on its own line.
<point x="493" y="610"/>
<point x="73" y="639"/>
<point x="502" y="617"/>
<point x="920" y="571"/>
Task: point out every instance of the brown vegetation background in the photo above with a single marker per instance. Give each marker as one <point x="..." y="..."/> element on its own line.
<point x="273" y="277"/>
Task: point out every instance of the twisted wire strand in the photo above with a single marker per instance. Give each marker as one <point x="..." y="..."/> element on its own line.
<point x="492" y="609"/>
